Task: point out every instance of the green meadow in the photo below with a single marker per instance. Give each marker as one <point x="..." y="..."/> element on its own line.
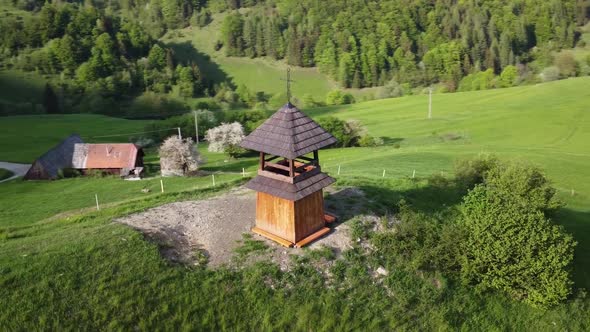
<point x="5" y="174"/>
<point x="79" y="270"/>
<point x="260" y="74"/>
<point x="27" y="137"/>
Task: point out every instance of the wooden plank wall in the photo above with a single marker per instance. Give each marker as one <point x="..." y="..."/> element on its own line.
<point x="309" y="215"/>
<point x="276" y="216"/>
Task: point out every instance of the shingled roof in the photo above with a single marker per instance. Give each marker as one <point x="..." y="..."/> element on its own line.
<point x="59" y="157"/>
<point x="290" y="191"/>
<point x="288" y="133"/>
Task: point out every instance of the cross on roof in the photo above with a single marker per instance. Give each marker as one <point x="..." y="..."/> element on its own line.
<point x="288" y="84"/>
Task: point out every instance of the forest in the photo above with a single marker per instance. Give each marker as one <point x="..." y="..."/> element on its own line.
<point x="108" y="57"/>
<point x="368" y="43"/>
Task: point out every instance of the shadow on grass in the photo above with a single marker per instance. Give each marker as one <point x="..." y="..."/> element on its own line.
<point x="577" y="223"/>
<point x="187" y="54"/>
<point x="391" y="140"/>
<point x="372" y="197"/>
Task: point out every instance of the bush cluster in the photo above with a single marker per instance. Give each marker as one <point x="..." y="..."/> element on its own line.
<point x="348" y="133"/>
<point x="499" y="238"/>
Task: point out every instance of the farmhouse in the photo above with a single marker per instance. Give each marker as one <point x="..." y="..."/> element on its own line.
<point x="289" y="203"/>
<point x="125" y="159"/>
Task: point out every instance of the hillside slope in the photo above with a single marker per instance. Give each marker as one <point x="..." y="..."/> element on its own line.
<point x="260" y="74"/>
<point x="547" y="124"/>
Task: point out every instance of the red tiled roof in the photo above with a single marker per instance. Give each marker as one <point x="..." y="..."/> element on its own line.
<point x="101" y="156"/>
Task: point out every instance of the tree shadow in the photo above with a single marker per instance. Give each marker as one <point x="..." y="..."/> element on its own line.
<point x="391" y="140"/>
<point x="577" y="223"/>
<point x="371" y="198"/>
<point x="186" y="54"/>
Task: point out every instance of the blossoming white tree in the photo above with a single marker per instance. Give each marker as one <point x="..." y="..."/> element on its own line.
<point x="178" y="157"/>
<point x="225" y="138"/>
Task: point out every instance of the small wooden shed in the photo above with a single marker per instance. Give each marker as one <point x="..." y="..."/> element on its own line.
<point x="289" y="184"/>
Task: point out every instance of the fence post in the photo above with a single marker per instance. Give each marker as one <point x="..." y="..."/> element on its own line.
<point x="97" y="206"/>
<point x="414" y="174"/>
<point x="243" y="172"/>
<point x="162" y="185"/>
<point x="213" y="177"/>
<point x="383" y="173"/>
<point x="338" y="169"/>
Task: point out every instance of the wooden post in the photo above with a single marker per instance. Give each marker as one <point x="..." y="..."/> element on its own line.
<point x="262" y="162"/>
<point x="338" y="169"/>
<point x="179" y="134"/>
<point x="414" y="174"/>
<point x="97" y="206"/>
<point x="213" y="177"/>
<point x="162" y="185"/>
<point x="291" y="168"/>
<point x="243" y="172"/>
<point x="383" y="173"/>
<point x="316" y="157"/>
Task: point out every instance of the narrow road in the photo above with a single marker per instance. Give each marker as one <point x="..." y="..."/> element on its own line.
<point x="17" y="169"/>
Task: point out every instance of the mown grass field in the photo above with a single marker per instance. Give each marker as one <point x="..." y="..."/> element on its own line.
<point x="82" y="271"/>
<point x="194" y="44"/>
<point x="24" y="138"/>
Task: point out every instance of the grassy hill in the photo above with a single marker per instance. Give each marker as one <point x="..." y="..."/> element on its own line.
<point x="260" y="74"/>
<point x="547" y="124"/>
<point x="112" y="278"/>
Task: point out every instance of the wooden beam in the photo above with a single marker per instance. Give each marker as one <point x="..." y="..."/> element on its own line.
<point x="273" y="237"/>
<point x="273" y="165"/>
<point x="323" y="231"/>
<point x="329" y="218"/>
<point x="276" y="176"/>
<point x="272" y="158"/>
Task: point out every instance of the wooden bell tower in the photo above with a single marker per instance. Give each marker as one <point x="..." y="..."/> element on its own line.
<point x="289" y="203"/>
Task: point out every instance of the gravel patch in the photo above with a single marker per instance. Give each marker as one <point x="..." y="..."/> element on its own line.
<point x="215" y="227"/>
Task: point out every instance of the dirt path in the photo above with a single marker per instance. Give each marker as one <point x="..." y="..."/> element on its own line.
<point x="18" y="169"/>
<point x="215" y="227"/>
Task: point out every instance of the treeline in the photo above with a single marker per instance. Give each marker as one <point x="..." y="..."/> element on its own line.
<point x="100" y="58"/>
<point x="364" y="44"/>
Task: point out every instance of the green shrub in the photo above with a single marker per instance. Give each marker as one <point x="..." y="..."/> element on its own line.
<point x="369" y="141"/>
<point x="470" y="172"/>
<point x="159" y="130"/>
<point x="420" y="242"/>
<point x="348" y="133"/>
<point x="337" y="97"/>
<point x="390" y="90"/>
<point x="249" y="119"/>
<point x="549" y="74"/>
<point x="509" y="77"/>
<point x="511" y="245"/>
